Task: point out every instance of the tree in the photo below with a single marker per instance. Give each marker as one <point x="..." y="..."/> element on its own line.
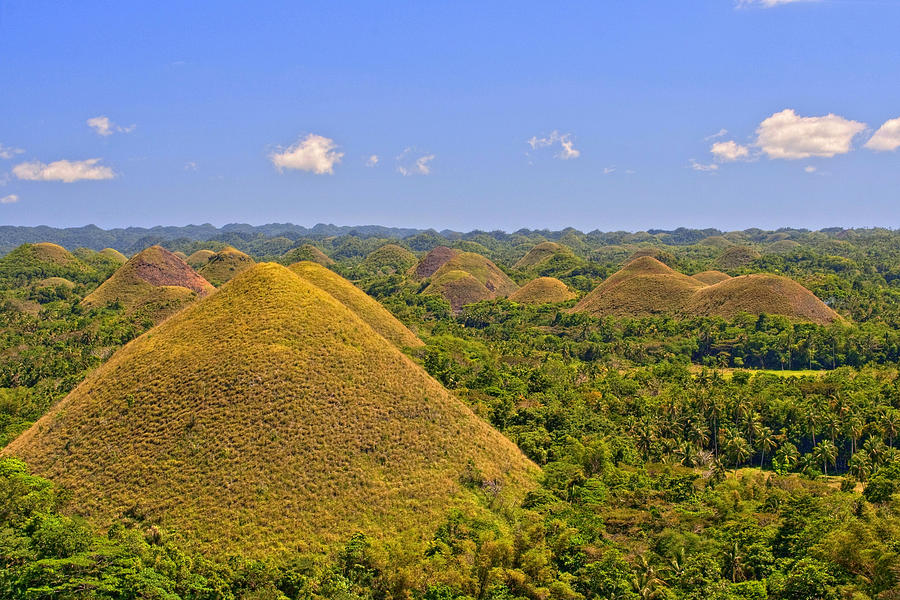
<point x="766" y="442"/>
<point x="826" y="453"/>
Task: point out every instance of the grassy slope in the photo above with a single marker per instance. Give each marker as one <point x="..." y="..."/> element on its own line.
<point x="711" y="277"/>
<point x="645" y="286"/>
<point x="388" y="259"/>
<point x="433" y="261"/>
<point x="199" y="258"/>
<point x="540" y="253"/>
<point x="760" y="293"/>
<point x="267" y="417"/>
<point x="306" y="252"/>
<point x="541" y="290"/>
<point x="224" y="265"/>
<point x="365" y="307"/>
<point x="40" y="261"/>
<point x="458" y="288"/>
<point x="482" y="269"/>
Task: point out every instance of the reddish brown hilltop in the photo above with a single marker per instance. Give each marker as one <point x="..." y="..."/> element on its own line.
<point x="711" y="277"/>
<point x="760" y="294"/>
<point x="433" y="261"/>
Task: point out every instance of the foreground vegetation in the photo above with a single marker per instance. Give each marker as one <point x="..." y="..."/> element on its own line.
<point x="699" y="458"/>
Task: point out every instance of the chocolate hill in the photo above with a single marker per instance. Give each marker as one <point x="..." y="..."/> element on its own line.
<point x="711" y="277"/>
<point x="540" y="254"/>
<point x="464" y="277"/>
<point x="225" y="264"/>
<point x="365" y="307"/>
<point x="268" y="418"/>
<point x="199" y="258"/>
<point x="306" y="252"/>
<point x="542" y="290"/>
<point x="389" y="259"/>
<point x="154" y="281"/>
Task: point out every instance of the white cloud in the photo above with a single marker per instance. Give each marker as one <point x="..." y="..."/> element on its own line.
<point x="314" y="153"/>
<point x="887" y="138"/>
<point x="408" y="164"/>
<point x="722" y="132"/>
<point x="6" y="152"/>
<point x="566" y="145"/>
<point x="697" y="166"/>
<point x="729" y="151"/>
<point x="767" y="3"/>
<point x="11" y="199"/>
<point x="789" y="136"/>
<point x="63" y="170"/>
<point x="810" y="169"/>
<point x="372" y="160"/>
<point x="103" y="126"/>
<point x="191" y="166"/>
<point x="609" y="170"/>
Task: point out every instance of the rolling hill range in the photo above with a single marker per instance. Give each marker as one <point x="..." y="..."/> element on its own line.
<point x="268" y="418"/>
<point x="646" y="286"/>
<point x="364" y="306"/>
<point x="542" y="290"/>
<point x="154" y="281"/>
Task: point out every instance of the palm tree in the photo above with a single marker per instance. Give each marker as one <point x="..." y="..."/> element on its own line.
<point x="860" y="466"/>
<point x="647" y="583"/>
<point x="890" y="424"/>
<point x="737" y="448"/>
<point x="766" y="443"/>
<point x="826" y="452"/>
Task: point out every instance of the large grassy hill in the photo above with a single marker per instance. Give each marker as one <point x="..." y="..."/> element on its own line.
<point x="268" y="418"/>
<point x="366" y="308"/>
<point x="225" y="264"/>
<point x="542" y="290"/>
<point x="40" y="261"/>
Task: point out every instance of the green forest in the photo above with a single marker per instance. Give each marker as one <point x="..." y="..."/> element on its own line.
<point x="680" y="454"/>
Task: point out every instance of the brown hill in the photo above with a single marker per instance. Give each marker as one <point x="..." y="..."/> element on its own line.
<point x="759" y="294"/>
<point x="225" y="264"/>
<point x="711" y="277"/>
<point x="540" y="253"/>
<point x="433" y="261"/>
<point x="645" y="286"/>
<point x="268" y="418"/>
<point x="458" y="288"/>
<point x="782" y="247"/>
<point x="306" y="252"/>
<point x="154" y="281"/>
<point x="667" y="258"/>
<point x="389" y="259"/>
<point x="199" y="258"/>
<point x="364" y="306"/>
<point x="542" y="290"/>
<point x="114" y="255"/>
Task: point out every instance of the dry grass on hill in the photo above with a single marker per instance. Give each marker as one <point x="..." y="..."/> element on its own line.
<point x="114" y="255"/>
<point x="40" y="261"/>
<point x="199" y="258"/>
<point x="433" y="261"/>
<point x="364" y="306"/>
<point x="643" y="287"/>
<point x="540" y="253"/>
<point x="711" y="277"/>
<point x="482" y="269"/>
<point x="541" y="291"/>
<point x="225" y="264"/>
<point x="52" y="253"/>
<point x="268" y="418"/>
<point x="53" y="282"/>
<point x="154" y="281"/>
<point x="758" y="294"/>
<point x="782" y="247"/>
<point x="458" y="288"/>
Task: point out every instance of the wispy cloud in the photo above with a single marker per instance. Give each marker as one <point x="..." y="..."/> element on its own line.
<point x="10" y="199"/>
<point x="67" y="171"/>
<point x="567" y="150"/>
<point x="411" y="162"/>
<point x="609" y="170"/>
<point x="705" y="168"/>
<point x="191" y="166"/>
<point x="810" y="169"/>
<point x="372" y="160"/>
<point x="6" y="152"/>
<point x="104" y="126"/>
<point x="887" y="138"/>
<point x="721" y="133"/>
<point x="314" y="153"/>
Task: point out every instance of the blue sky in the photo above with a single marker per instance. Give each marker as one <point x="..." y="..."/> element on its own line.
<point x="596" y="115"/>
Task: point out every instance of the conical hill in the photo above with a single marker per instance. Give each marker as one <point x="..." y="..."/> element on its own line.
<point x="40" y="261"/>
<point x="365" y="307"/>
<point x="645" y="286"/>
<point x="389" y="259"/>
<point x="268" y="417"/>
<point x="225" y="264"/>
<point x="759" y="294"/>
<point x="199" y="258"/>
<point x="711" y="277"/>
<point x="541" y="253"/>
<point x="433" y="261"/>
<point x="542" y="290"/>
<point x="154" y="281"/>
<point x="306" y="252"/>
<point x="458" y="288"/>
